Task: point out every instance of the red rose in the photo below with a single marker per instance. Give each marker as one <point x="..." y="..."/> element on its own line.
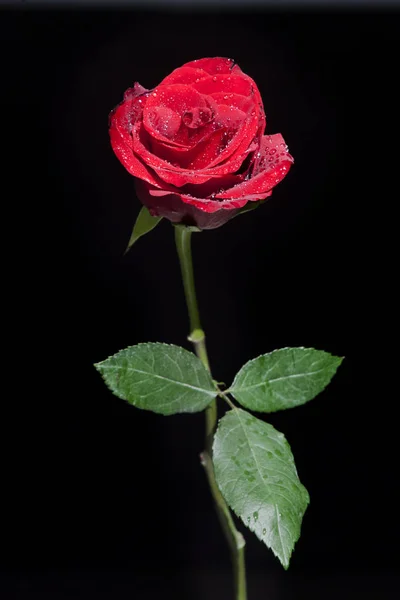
<point x="196" y="143"/>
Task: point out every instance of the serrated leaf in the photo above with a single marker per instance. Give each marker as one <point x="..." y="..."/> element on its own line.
<point x="255" y="471"/>
<point x="162" y="378"/>
<point x="284" y="378"/>
<point x="144" y="223"/>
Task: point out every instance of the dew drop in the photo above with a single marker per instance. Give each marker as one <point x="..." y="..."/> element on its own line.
<point x="255" y="515"/>
<point x="214" y="78"/>
<point x="264" y="531"/>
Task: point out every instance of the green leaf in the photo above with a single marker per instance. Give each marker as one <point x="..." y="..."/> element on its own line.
<point x="159" y="377"/>
<point x="284" y="378"/>
<point x="255" y="471"/>
<point x="144" y="223"/>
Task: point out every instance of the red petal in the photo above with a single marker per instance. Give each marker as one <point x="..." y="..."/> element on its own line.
<point x="243" y="103"/>
<point x="231" y="84"/>
<point x="266" y="175"/>
<point x="211" y="206"/>
<point x="213" y="66"/>
<point x="136" y="90"/>
<point x="169" y="173"/>
<point x="129" y="111"/>
<point x="179" y="207"/>
<point x="122" y="120"/>
<point x="176" y="175"/>
<point x="178" y="97"/>
<point x="163" y="124"/>
<point x="273" y="150"/>
<point x="241" y="144"/>
<point x="220" y="145"/>
<point x="131" y="162"/>
<point x="185" y="75"/>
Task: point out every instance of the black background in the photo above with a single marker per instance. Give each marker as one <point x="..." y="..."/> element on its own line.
<point x="100" y="500"/>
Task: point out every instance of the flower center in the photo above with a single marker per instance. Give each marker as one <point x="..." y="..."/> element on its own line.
<point x="197" y="117"/>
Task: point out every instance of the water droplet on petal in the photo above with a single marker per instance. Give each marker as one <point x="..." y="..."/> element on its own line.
<point x="264" y="531"/>
<point x="255" y="515"/>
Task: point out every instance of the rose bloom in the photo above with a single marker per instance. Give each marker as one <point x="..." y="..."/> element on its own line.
<point x="196" y="143"/>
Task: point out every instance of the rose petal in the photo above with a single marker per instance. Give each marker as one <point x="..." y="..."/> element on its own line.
<point x="185" y="75"/>
<point x="231" y="84"/>
<point x="241" y="143"/>
<point x="267" y="173"/>
<point x="185" y="103"/>
<point x="206" y="206"/>
<point x="129" y="111"/>
<point x="176" y="210"/>
<point x="273" y="150"/>
<point x="163" y="124"/>
<point x="175" y="174"/>
<point x="257" y="187"/>
<point x="243" y="103"/>
<point x="169" y="173"/>
<point x="129" y="160"/>
<point x="133" y="92"/>
<point x="220" y="145"/>
<point x="213" y="66"/>
<point x="178" y="97"/>
<point x="180" y="156"/>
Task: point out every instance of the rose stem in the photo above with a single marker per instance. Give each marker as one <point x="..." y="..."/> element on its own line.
<point x="197" y="337"/>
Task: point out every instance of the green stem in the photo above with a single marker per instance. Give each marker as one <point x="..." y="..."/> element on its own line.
<point x="197" y="337"/>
